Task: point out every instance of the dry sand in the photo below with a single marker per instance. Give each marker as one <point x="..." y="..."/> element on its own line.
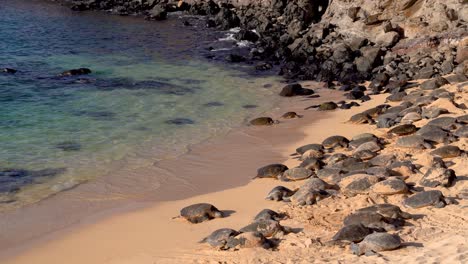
<point x="150" y="235"/>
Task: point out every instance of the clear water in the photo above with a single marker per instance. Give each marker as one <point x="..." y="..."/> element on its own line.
<point x="150" y="96"/>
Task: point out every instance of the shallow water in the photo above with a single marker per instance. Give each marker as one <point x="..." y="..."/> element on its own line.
<point x="151" y="95"/>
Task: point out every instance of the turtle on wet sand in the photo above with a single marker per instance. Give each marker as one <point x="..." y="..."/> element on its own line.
<point x="197" y="213"/>
<point x="271" y="171"/>
<point x="278" y="193"/>
<point x="301" y="150"/>
<point x="219" y="238"/>
<point x="262" y="121"/>
<point x="361" y="118"/>
<point x="291" y="115"/>
<point x="376" y="242"/>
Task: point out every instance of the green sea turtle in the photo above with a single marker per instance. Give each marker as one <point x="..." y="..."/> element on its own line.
<point x="296" y="174"/>
<point x="327" y="106"/>
<point x="435" y="134"/>
<point x="291" y="115"/>
<point x="409" y="118"/>
<point x="413" y="141"/>
<point x="403" y="130"/>
<point x="461" y="132"/>
<point x="278" y="193"/>
<point x="447" y="152"/>
<point x="383" y="160"/>
<point x="426" y="198"/>
<point x="247" y="240"/>
<point x="312" y="153"/>
<point x="438" y="176"/>
<point x="271" y="171"/>
<point x="433" y="112"/>
<point x="390" y="186"/>
<point x="311" y="164"/>
<point x="352" y="233"/>
<point x="445" y="122"/>
<point x="268" y="214"/>
<point x="351" y="164"/>
<point x="266" y="227"/>
<point x="197" y="213"/>
<point x="335" y="141"/>
<point x="376" y="242"/>
<point x="358" y="184"/>
<point x="369" y="219"/>
<point x="335" y="158"/>
<point x="386" y="210"/>
<point x="361" y="118"/>
<point x="368" y="136"/>
<point x="364" y="154"/>
<point x="262" y="121"/>
<point x="331" y="175"/>
<point x="372" y="146"/>
<point x="303" y="149"/>
<point x="219" y="238"/>
<point x="313" y="190"/>
<point x="462" y="119"/>
<point x="376" y="111"/>
<point x="355" y="143"/>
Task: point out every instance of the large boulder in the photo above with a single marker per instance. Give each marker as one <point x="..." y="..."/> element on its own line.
<point x="295" y="89"/>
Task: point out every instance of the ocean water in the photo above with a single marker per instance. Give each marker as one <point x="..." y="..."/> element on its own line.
<point x="151" y="95"/>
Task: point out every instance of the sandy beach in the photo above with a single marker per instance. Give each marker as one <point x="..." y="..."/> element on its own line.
<point x="151" y="235"/>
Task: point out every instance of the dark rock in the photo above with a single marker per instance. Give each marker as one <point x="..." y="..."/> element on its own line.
<point x="159" y="12"/>
<point x="8" y="70"/>
<point x="74" y="72"/>
<point x="235" y="58"/>
<point x="295" y="89"/>
<point x="246" y="35"/>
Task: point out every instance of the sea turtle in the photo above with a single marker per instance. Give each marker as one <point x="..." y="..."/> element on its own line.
<point x="309" y="193"/>
<point x="358" y="184"/>
<point x="369" y="219"/>
<point x="410" y="118"/>
<point x="352" y="233"/>
<point x="335" y="158"/>
<point x="296" y="174"/>
<point x="262" y="121"/>
<point x="247" y="240"/>
<point x="410" y="110"/>
<point x="447" y="152"/>
<point x="372" y="146"/>
<point x="303" y="149"/>
<point x="335" y="141"/>
<point x="433" y="112"/>
<point x="291" y="115"/>
<point x="382" y="172"/>
<point x="266" y="227"/>
<point x="219" y="238"/>
<point x="425" y="198"/>
<point x="386" y="210"/>
<point x="271" y="171"/>
<point x="402" y="167"/>
<point x="376" y="111"/>
<point x="403" y="130"/>
<point x="368" y="136"/>
<point x="438" y="176"/>
<point x="364" y="154"/>
<point x="376" y="242"/>
<point x="267" y="214"/>
<point x="327" y="106"/>
<point x="435" y="134"/>
<point x="351" y="164"/>
<point x="390" y="186"/>
<point x="383" y="160"/>
<point x="355" y="143"/>
<point x="396" y="97"/>
<point x="462" y="132"/>
<point x="278" y="193"/>
<point x="361" y="118"/>
<point x="462" y="119"/>
<point x="445" y="122"/>
<point x="197" y="213"/>
<point x="413" y="141"/>
<point x="331" y="175"/>
<point x="311" y="164"/>
<point x="312" y="153"/>
<point x="73" y="72"/>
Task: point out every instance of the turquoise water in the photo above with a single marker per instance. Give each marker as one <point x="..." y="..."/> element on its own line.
<point x="150" y="96"/>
